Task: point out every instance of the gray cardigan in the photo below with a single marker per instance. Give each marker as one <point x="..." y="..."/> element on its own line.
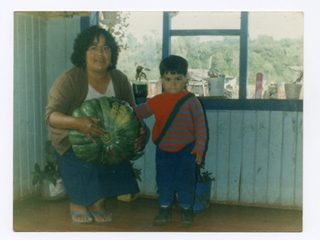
<point x="69" y="91"/>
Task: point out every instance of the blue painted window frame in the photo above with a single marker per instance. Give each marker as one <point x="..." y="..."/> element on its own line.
<point x="230" y="104"/>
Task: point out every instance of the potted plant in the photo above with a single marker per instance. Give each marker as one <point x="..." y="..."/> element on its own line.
<point x="136" y="174"/>
<point x="50" y="182"/>
<point x="203" y="189"/>
<point x="216" y="83"/>
<point x="293" y="89"/>
<point x="140" y="85"/>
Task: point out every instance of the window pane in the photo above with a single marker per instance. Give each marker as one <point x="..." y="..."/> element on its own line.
<point x="221" y="55"/>
<point x="275" y="51"/>
<point x="141" y="45"/>
<point x="206" y="20"/>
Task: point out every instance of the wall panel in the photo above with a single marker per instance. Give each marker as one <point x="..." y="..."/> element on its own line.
<point x="223" y="156"/>
<point x="29" y="79"/>
<point x="32" y="51"/>
<point x="254" y="156"/>
<point x="236" y="143"/>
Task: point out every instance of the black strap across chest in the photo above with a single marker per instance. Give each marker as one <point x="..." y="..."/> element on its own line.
<point x="172" y="116"/>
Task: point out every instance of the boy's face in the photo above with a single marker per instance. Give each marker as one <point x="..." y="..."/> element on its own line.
<point x="173" y="83"/>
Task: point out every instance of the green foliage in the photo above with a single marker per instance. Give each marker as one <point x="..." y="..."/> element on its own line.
<point x="203" y="177"/>
<point x="266" y="55"/>
<point x="148" y="53"/>
<point x="51" y="171"/>
<point x="135" y="171"/>
<point x="118" y="27"/>
<point x="140" y="74"/>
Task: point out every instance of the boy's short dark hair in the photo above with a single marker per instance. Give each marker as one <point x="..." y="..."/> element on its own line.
<point x="173" y="64"/>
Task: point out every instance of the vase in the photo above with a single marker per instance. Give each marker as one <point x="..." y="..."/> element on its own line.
<point x="202" y="195"/>
<point x="140" y="89"/>
<point x="292" y="90"/>
<point x="49" y="191"/>
<point x="216" y="87"/>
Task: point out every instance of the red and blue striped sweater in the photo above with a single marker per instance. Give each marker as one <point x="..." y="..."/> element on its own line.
<point x="187" y="126"/>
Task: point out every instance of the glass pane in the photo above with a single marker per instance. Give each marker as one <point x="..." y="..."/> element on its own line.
<point x="275" y="53"/>
<point x="141" y="44"/>
<point x="205" y="20"/>
<point x="220" y="55"/>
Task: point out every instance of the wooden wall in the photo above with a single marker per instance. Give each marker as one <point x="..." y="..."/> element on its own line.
<point x="42" y="49"/>
<point x="255" y="156"/>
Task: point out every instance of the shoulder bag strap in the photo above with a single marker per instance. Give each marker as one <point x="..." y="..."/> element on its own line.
<point x="172" y="116"/>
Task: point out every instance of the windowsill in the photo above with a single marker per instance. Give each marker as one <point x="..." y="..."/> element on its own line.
<point x="247" y="104"/>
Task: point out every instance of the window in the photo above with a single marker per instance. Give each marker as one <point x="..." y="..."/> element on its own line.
<point x="276" y="63"/>
<point x="236" y="44"/>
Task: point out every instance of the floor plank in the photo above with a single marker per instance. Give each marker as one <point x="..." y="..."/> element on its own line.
<point x="33" y="215"/>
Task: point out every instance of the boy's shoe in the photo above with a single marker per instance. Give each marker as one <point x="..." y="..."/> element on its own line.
<point x="163" y="217"/>
<point x="186" y="217"/>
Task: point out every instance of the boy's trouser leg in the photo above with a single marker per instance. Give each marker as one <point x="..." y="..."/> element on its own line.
<point x="164" y="177"/>
<point x="176" y="171"/>
<point x="185" y="176"/>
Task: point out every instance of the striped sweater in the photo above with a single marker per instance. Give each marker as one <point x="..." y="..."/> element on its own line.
<point x="187" y="126"/>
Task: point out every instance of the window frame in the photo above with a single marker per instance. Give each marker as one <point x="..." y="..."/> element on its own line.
<point x="230" y="104"/>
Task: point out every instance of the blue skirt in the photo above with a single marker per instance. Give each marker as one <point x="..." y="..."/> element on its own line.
<point x="86" y="183"/>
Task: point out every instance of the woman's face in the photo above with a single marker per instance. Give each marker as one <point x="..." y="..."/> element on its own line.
<point x="98" y="55"/>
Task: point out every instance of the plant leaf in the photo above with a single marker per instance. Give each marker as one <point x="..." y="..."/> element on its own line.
<point x="137" y="156"/>
<point x="41" y="179"/>
<point x="37" y="168"/>
<point x="53" y="180"/>
<point x="35" y="179"/>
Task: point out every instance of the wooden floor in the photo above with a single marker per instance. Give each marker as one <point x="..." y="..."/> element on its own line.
<point x="39" y="215"/>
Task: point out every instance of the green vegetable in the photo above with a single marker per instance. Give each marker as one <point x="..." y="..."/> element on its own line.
<point x="121" y="129"/>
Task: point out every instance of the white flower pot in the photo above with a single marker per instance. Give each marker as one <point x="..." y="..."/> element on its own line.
<point x="292" y="90"/>
<point x="50" y="192"/>
<point x="216" y="87"/>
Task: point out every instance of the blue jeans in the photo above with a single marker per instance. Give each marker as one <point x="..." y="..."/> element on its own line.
<point x="175" y="171"/>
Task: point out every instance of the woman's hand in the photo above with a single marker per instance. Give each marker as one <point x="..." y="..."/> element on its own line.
<point x="141" y="139"/>
<point x="88" y="126"/>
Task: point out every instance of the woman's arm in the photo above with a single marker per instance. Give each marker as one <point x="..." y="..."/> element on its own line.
<point x="86" y="125"/>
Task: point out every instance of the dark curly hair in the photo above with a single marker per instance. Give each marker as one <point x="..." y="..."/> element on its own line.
<point x="85" y="39"/>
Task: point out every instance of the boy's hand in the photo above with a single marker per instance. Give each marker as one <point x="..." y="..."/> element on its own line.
<point x="141" y="139"/>
<point x="198" y="158"/>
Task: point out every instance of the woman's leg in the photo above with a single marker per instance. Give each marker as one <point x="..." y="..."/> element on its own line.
<point x="100" y="206"/>
<point x="78" y="209"/>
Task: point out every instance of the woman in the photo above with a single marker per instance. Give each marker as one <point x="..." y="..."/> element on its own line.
<point x="93" y="75"/>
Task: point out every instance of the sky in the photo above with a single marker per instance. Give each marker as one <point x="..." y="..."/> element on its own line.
<point x="278" y="24"/>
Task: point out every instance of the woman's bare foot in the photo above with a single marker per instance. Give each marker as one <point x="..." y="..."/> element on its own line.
<point x="82" y="210"/>
<point x="100" y="206"/>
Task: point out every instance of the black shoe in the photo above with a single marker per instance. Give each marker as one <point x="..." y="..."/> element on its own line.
<point x="186" y="217"/>
<point x="163" y="217"/>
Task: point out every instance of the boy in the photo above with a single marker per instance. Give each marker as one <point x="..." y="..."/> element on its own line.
<point x="180" y="135"/>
